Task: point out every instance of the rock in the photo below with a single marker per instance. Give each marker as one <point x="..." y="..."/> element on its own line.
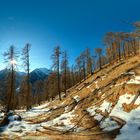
<point x="19" y="130"/>
<point x="5" y="121"/>
<point x="12" y="117"/>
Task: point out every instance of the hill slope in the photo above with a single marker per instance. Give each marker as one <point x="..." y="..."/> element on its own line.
<point x="105" y="106"/>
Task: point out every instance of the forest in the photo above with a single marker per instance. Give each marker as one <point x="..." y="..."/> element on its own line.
<point x="118" y="46"/>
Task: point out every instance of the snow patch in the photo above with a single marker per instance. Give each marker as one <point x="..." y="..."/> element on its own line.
<point x="103" y="77"/>
<point x="41" y="106"/>
<point x="109" y="125"/>
<point x="76" y="98"/>
<point x="98" y="117"/>
<point x="105" y="106"/>
<point x="1" y="115"/>
<point x="120" y="84"/>
<point x="96" y="84"/>
<point x="34" y="112"/>
<point x="62" y="122"/>
<point x="130" y="73"/>
<point x="137" y="102"/>
<point x="12" y="118"/>
<point x="91" y="110"/>
<point x="118" y="109"/>
<point x="131" y="130"/>
<point x="19" y="128"/>
<point x="136" y="80"/>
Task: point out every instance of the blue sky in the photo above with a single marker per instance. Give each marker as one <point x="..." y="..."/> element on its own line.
<point x="72" y="24"/>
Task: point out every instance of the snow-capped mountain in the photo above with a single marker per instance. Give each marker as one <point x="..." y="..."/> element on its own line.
<point x="42" y="70"/>
<point x="39" y="74"/>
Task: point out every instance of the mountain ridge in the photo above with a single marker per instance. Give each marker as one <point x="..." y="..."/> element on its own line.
<point x="36" y="74"/>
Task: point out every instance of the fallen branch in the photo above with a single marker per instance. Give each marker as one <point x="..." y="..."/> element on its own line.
<point x="118" y="120"/>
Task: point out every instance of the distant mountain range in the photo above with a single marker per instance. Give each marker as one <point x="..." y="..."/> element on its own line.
<point x="37" y="74"/>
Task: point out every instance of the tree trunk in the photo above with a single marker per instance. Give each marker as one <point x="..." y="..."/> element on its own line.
<point x="58" y="78"/>
<point x="28" y="80"/>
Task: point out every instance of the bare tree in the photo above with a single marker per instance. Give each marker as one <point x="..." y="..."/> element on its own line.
<point x="64" y="69"/>
<point x="79" y="68"/>
<point x="23" y="92"/>
<point x="56" y="65"/>
<point x="89" y="61"/>
<point x="39" y="85"/>
<point x="26" y="64"/>
<point x="50" y="86"/>
<point x="109" y="41"/>
<point x="10" y="57"/>
<point x="73" y="75"/>
<point x="99" y="53"/>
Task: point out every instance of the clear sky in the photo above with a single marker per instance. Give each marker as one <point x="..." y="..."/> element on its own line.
<point x="72" y="24"/>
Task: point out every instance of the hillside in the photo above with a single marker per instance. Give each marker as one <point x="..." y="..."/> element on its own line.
<point x="105" y="106"/>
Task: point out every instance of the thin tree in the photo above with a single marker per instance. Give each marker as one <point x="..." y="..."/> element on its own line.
<point x="110" y="42"/>
<point x="79" y="68"/>
<point x="83" y="64"/>
<point x="99" y="53"/>
<point x="56" y="65"/>
<point x="73" y="75"/>
<point x="89" y="61"/>
<point x="50" y="86"/>
<point x="10" y="57"/>
<point x="26" y="64"/>
<point x="23" y="92"/>
<point x="64" y="68"/>
<point x="38" y="86"/>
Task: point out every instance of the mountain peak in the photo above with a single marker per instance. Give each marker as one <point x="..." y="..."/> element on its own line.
<point x="39" y="74"/>
<point x="43" y="70"/>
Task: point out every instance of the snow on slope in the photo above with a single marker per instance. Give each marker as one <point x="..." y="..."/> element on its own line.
<point x="136" y="80"/>
<point x="132" y="119"/>
<point x="118" y="109"/>
<point x="131" y="130"/>
<point x="132" y="127"/>
<point x="35" y="111"/>
<point x="108" y="125"/>
<point x="16" y="127"/>
<point x="63" y="121"/>
<point x="20" y="128"/>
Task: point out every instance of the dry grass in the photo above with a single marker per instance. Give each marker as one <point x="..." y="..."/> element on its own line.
<point x="108" y="80"/>
<point x="129" y="107"/>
